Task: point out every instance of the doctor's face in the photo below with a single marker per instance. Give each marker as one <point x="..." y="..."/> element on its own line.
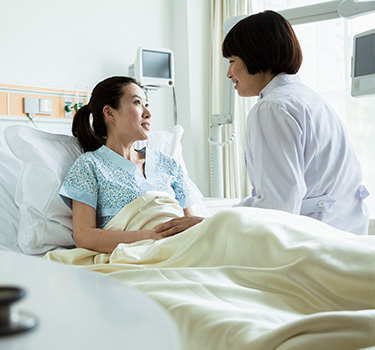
<point x="246" y="84"/>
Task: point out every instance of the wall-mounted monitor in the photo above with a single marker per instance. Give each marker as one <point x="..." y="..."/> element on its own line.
<point x="153" y="67"/>
<point x="363" y="64"/>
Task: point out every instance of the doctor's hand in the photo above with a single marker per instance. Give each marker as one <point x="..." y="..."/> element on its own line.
<point x="177" y="225"/>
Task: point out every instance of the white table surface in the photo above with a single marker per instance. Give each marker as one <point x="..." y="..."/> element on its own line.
<point x="79" y="309"/>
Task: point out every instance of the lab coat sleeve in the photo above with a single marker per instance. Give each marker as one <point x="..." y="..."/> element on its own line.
<point x="275" y="141"/>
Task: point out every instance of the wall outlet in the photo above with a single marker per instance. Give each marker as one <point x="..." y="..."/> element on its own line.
<point x="30" y="106"/>
<point x="68" y="108"/>
<point x="33" y="106"/>
<point x="80" y="104"/>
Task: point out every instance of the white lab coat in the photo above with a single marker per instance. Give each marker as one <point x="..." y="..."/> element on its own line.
<point x="299" y="158"/>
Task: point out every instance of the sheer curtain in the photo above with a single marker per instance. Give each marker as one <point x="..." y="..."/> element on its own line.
<point x="236" y="183"/>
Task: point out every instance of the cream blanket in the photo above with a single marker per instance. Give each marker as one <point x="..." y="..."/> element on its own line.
<point x="248" y="278"/>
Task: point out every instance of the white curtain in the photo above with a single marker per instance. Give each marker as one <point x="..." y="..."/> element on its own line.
<point x="236" y="183"/>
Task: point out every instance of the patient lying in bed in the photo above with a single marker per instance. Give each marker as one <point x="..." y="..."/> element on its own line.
<point x="111" y="173"/>
<point x="246" y="278"/>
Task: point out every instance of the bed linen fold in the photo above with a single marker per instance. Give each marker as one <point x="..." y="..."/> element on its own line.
<point x="247" y="278"/>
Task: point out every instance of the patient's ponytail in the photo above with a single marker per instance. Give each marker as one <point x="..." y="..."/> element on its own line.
<point x="82" y="129"/>
<point x="92" y="133"/>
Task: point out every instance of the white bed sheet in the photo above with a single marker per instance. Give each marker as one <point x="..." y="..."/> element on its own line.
<point x="247" y="278"/>
<point x="188" y="278"/>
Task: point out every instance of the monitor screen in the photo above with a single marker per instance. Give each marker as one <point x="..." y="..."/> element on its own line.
<point x="364" y="55"/>
<point x="156" y="64"/>
<point x="363" y="64"/>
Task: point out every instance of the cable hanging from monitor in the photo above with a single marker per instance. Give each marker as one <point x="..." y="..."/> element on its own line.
<point x="174" y="106"/>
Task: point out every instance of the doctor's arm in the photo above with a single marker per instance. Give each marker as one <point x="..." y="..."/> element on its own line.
<point x="278" y="170"/>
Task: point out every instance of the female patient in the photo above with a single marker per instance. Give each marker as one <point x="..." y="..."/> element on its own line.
<point x="111" y="173"/>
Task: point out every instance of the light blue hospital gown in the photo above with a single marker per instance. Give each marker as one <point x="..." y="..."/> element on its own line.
<point x="107" y="181"/>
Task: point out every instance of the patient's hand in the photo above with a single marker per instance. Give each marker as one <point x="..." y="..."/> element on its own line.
<point x="177" y="225"/>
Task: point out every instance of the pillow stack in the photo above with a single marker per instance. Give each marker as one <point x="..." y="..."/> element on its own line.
<point x="42" y="160"/>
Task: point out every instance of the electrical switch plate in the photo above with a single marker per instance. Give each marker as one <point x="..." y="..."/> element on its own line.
<point x="68" y="108"/>
<point x="30" y="106"/>
<point x="45" y="106"/>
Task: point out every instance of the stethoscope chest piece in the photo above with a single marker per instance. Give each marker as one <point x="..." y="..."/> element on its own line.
<point x="12" y="321"/>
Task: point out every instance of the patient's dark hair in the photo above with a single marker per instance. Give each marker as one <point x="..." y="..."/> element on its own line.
<point x="265" y="42"/>
<point x="107" y="92"/>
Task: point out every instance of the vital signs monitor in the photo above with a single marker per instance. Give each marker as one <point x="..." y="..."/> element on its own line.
<point x="153" y="67"/>
<point x="363" y="64"/>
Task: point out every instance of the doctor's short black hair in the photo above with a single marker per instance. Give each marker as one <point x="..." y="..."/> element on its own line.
<point x="265" y="42"/>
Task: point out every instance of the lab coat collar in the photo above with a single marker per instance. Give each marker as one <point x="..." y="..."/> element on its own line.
<point x="279" y="80"/>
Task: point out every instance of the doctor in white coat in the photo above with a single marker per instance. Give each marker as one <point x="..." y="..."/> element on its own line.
<point x="298" y="154"/>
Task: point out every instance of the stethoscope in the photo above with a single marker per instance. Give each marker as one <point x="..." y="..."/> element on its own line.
<point x="11" y="320"/>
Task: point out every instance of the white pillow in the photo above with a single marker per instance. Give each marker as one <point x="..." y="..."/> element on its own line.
<point x="45" y="220"/>
<point x="166" y="141"/>
<point x="10" y="168"/>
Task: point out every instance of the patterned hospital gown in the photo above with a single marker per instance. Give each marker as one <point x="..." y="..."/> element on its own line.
<point x="107" y="181"/>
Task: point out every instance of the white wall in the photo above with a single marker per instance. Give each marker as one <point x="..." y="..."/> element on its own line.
<point x="71" y="43"/>
<point x="191" y="22"/>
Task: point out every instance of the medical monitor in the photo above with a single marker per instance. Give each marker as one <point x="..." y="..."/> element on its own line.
<point x="363" y="64"/>
<point x="153" y="67"/>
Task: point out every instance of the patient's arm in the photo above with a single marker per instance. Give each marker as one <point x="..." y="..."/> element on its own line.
<point x="86" y="235"/>
<point x="178" y="225"/>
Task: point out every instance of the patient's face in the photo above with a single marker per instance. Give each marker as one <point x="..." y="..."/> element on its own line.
<point x="133" y="119"/>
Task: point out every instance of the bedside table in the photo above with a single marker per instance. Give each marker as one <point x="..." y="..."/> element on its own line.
<point x="80" y="309"/>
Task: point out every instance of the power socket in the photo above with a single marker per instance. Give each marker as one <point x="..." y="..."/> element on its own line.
<point x="30" y="106"/>
<point x="68" y="108"/>
<point x="80" y="104"/>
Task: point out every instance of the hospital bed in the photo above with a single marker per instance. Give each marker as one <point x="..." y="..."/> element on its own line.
<point x="244" y="278"/>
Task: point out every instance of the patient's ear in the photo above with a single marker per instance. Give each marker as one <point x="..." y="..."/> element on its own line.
<point x="108" y="113"/>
